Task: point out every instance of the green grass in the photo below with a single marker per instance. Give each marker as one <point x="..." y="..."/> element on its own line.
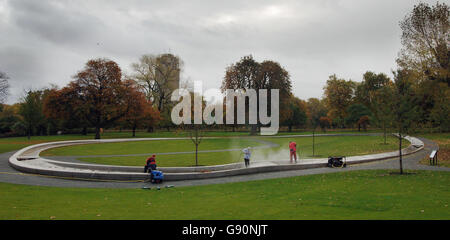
<point x="178" y="160"/>
<point x="324" y="147"/>
<point x="16" y="143"/>
<point x="157" y="146"/>
<point x="345" y="195"/>
<point x="338" y="145"/>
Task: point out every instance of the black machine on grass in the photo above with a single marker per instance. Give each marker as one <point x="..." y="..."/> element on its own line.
<point x="337" y="162"/>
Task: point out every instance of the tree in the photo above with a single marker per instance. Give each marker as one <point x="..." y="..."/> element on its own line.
<point x="426" y="56"/>
<point x="100" y="90"/>
<point x="67" y="107"/>
<point x="365" y="91"/>
<point x="383" y="99"/>
<point x="425" y="40"/>
<point x="325" y="122"/>
<point x="30" y="110"/>
<point x="141" y="112"/>
<point x="8" y="117"/>
<point x="338" y="96"/>
<point x="376" y="94"/>
<point x="249" y="74"/>
<point x="196" y="136"/>
<point x="159" y="76"/>
<point x="355" y="112"/>
<point x="295" y="115"/>
<point x="404" y="106"/>
<point x="242" y="75"/>
<point x="4" y="86"/>
<point x="440" y="114"/>
<point x="316" y="109"/>
<point x="363" y="121"/>
<point x="273" y="76"/>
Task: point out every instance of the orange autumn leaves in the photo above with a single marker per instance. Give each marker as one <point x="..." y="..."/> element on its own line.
<point x="99" y="97"/>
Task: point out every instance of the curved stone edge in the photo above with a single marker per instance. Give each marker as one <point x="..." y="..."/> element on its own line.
<point x="222" y="170"/>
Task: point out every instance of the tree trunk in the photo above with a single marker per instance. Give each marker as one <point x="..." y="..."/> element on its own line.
<point x="384" y="133"/>
<point x="400" y="152"/>
<point x="290" y="128"/>
<point x="29" y="132"/>
<point x="84" y="131"/>
<point x="134" y="130"/>
<point x="253" y="130"/>
<point x="97" y="132"/>
<point x="196" y="154"/>
<point x="313" y="141"/>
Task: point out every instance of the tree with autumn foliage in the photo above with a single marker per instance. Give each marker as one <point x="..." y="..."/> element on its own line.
<point x="338" y="97"/>
<point x="324" y="122"/>
<point x="99" y="86"/>
<point x="97" y="95"/>
<point x="141" y="112"/>
<point x="65" y="106"/>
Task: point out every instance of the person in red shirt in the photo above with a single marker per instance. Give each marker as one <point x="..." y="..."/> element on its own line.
<point x="293" y="151"/>
<point x="150" y="164"/>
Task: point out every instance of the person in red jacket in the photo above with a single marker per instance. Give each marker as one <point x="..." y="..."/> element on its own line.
<point x="293" y="151"/>
<point x="150" y="164"/>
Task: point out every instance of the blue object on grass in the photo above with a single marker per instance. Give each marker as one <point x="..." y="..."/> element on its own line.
<point x="157" y="176"/>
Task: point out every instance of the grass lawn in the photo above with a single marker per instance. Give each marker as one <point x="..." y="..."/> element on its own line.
<point x="345" y="195"/>
<point x="157" y="146"/>
<point x="336" y="145"/>
<point x="172" y="160"/>
<point x="16" y="143"/>
<point x="324" y="147"/>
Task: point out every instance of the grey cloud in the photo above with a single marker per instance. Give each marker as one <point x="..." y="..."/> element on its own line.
<point x="52" y="21"/>
<point x="49" y="41"/>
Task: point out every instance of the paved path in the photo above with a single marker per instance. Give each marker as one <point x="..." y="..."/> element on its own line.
<point x="10" y="175"/>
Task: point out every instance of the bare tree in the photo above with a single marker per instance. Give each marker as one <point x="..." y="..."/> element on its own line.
<point x="425" y="40"/>
<point x="4" y="86"/>
<point x="196" y="136"/>
<point x="159" y="75"/>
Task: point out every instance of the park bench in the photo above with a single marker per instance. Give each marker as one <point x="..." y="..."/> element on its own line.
<point x="433" y="157"/>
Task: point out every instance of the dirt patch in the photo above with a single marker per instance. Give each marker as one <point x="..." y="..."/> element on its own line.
<point x="443" y="154"/>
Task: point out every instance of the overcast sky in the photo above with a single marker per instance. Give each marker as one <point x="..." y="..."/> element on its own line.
<point x="43" y="42"/>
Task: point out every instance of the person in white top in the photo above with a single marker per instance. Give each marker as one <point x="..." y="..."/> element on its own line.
<point x="247" y="155"/>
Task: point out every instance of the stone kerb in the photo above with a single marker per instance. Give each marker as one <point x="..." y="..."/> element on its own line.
<point x="28" y="160"/>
